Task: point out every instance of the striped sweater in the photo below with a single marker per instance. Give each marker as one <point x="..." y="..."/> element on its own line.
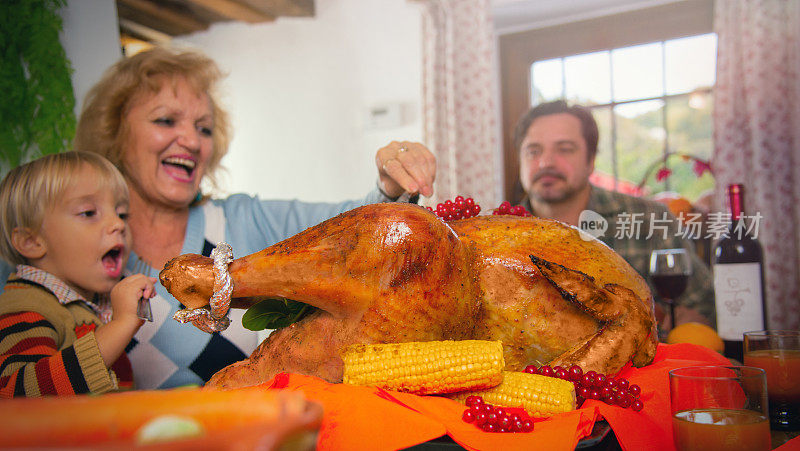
<point x="47" y="348"/>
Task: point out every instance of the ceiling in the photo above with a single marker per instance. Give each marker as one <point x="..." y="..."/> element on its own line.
<point x="511" y="16"/>
<point x="160" y="20"/>
<point x="156" y="21"/>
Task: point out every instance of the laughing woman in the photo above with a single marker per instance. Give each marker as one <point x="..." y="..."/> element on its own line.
<point x="155" y="116"/>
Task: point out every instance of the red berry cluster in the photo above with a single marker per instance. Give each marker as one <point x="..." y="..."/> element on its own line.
<point x="495" y="419"/>
<point x="460" y="208"/>
<point x="506" y="209"/>
<point x="593" y="385"/>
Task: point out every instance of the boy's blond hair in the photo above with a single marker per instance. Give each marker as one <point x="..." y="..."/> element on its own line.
<point x="30" y="189"/>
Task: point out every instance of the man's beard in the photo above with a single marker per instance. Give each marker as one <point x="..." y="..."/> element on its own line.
<point x="549" y="195"/>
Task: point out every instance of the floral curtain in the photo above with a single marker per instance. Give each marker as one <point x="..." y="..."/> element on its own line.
<point x="460" y="98"/>
<point x="757" y="135"/>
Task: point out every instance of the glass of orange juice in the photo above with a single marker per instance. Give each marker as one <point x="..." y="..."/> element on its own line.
<point x="778" y="353"/>
<point x="719" y="408"/>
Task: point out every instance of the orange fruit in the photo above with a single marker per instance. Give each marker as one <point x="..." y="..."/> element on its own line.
<point x="675" y="203"/>
<point x="696" y="334"/>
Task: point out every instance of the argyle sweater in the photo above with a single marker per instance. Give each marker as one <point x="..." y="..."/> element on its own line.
<point x="47" y="348"/>
<point x="165" y="353"/>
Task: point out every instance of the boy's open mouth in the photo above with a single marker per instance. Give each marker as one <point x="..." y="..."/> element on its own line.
<point x="112" y="261"/>
<point x="182" y="167"/>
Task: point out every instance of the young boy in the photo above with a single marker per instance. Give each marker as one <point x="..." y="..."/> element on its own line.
<point x="63" y="221"/>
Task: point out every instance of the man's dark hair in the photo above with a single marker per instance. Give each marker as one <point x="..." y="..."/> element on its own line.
<point x="588" y="124"/>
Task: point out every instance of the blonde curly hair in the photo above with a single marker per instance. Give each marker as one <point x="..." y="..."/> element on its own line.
<point x="29" y="190"/>
<point x="102" y="129"/>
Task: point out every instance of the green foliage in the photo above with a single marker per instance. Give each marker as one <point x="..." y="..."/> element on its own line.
<point x="640" y="144"/>
<point x="37" y="109"/>
<point x="274" y="314"/>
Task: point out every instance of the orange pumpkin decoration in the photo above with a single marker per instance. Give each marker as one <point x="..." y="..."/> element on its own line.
<point x="246" y="418"/>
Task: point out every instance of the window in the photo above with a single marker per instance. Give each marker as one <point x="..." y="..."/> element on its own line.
<point x="652" y="103"/>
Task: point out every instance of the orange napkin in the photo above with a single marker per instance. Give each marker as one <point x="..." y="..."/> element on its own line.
<point x="653" y="424"/>
<point x="368" y="417"/>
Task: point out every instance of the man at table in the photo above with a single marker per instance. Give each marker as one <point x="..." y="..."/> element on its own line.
<point x="557" y="146"/>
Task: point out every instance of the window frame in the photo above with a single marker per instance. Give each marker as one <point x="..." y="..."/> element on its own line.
<point x="518" y="51"/>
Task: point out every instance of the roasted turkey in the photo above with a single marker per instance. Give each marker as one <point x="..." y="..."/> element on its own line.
<point x="395" y="272"/>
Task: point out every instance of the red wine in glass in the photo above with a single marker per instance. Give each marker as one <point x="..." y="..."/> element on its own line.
<point x="670" y="286"/>
<point x="669" y="273"/>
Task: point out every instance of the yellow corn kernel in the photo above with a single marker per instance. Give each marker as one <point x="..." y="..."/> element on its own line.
<point x="425" y="367"/>
<point x="540" y="396"/>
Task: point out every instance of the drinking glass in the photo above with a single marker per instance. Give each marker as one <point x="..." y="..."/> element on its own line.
<point x="669" y="271"/>
<point x="778" y="353"/>
<point x="719" y="408"/>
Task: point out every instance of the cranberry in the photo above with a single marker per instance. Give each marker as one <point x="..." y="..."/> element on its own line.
<point x="504" y="422"/>
<point x="504" y="208"/>
<point x="561" y="373"/>
<point x="546" y="371"/>
<point x="530" y="369"/>
<point x="468" y="416"/>
<point x="489" y="427"/>
<point x="623" y="384"/>
<point x="575" y="373"/>
<point x="637" y="405"/>
<point x="527" y="426"/>
<point x="634" y="390"/>
<point x="583" y="392"/>
<point x="599" y="381"/>
<point x="473" y="400"/>
<point x="480" y="418"/>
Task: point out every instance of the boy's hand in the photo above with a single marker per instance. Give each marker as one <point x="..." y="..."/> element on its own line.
<point x="126" y="294"/>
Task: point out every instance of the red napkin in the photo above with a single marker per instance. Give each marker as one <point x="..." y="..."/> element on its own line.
<point x="791" y="445"/>
<point x="367" y="417"/>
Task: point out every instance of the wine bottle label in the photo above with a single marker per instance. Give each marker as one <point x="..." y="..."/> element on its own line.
<point x="737" y="291"/>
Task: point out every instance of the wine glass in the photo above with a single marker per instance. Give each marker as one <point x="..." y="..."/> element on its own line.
<point x="669" y="272"/>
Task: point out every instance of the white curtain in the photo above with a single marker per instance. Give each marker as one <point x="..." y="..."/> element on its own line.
<point x="460" y="99"/>
<point x="757" y="134"/>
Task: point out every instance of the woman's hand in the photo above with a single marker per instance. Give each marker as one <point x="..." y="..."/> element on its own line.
<point x="406" y="167"/>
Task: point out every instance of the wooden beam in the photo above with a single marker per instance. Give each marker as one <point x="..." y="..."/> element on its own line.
<point x="144" y="32"/>
<point x="179" y="20"/>
<point x="235" y="10"/>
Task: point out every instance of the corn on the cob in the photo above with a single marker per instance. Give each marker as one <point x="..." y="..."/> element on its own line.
<point x="425" y="367"/>
<point x="540" y="396"/>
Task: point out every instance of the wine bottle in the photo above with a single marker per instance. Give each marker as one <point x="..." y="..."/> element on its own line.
<point x="738" y="279"/>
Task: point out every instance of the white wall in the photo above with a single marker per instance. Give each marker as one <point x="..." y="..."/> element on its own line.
<point x="298" y="91"/>
<point x="90" y="37"/>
